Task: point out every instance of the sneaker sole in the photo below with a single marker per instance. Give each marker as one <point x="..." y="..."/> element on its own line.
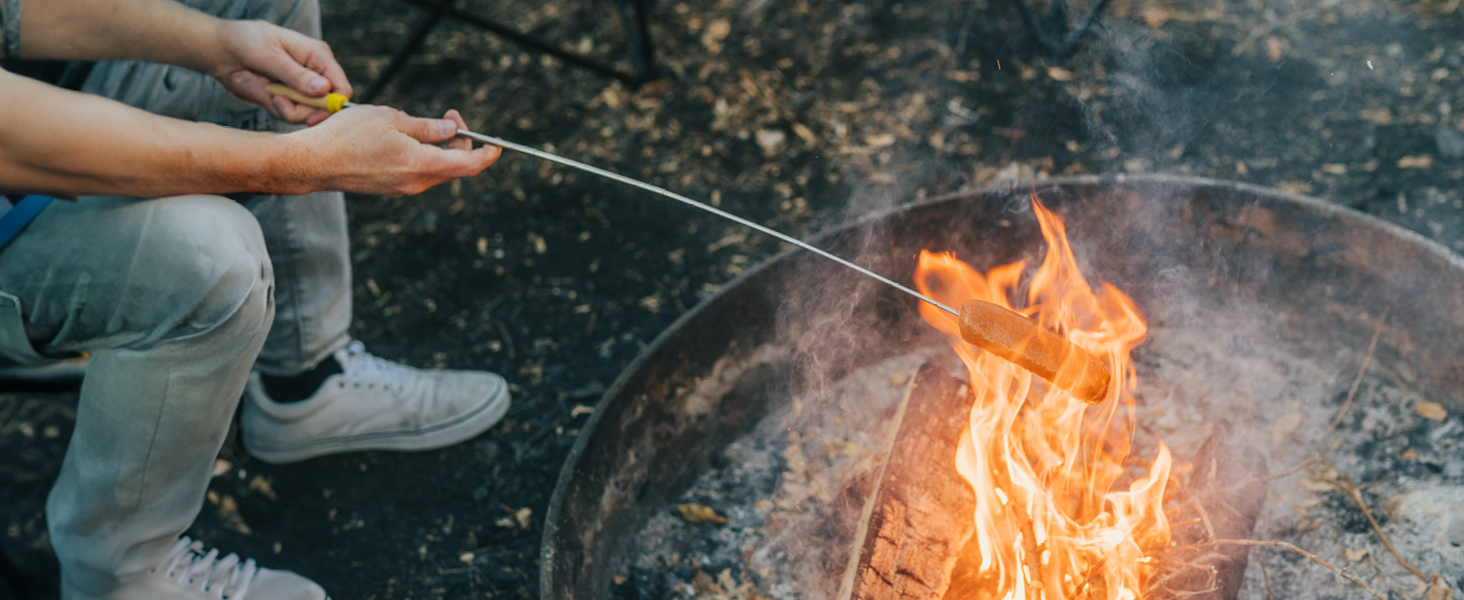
<point x="459" y="430"/>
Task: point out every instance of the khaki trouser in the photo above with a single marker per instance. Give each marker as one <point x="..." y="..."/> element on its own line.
<point x="174" y="298"/>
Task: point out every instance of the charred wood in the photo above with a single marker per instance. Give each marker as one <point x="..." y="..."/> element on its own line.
<point x="1220" y="499"/>
<point x="919" y="515"/>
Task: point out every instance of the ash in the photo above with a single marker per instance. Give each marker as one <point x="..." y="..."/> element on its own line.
<point x="1280" y="390"/>
<point x="790" y="489"/>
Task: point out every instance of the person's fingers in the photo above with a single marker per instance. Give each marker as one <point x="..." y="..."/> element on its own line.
<point x="292" y="112"/>
<point x="316" y="117"/>
<point x="430" y="131"/>
<point x="279" y="56"/>
<point x="316" y="57"/>
<point x="458" y="143"/>
<point x="250" y="87"/>
<point x="321" y="60"/>
<point x="487" y="156"/>
<point x="454" y="164"/>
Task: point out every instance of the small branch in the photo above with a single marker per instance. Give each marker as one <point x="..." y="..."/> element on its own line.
<point x="1356" y="495"/>
<point x="1377" y="332"/>
<point x="1265" y="576"/>
<point x="1269" y="478"/>
<point x="1314" y="558"/>
<point x="1204" y="516"/>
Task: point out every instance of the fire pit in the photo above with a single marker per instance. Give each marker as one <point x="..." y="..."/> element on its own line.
<point x="1301" y="364"/>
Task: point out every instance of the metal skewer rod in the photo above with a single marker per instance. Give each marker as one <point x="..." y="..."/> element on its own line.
<point x="335" y="102"/>
<point x="487" y="139"/>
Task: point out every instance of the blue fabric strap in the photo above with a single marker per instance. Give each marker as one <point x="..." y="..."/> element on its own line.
<point x="21" y="215"/>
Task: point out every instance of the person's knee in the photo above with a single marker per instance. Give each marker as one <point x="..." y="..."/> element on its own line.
<point x="217" y="268"/>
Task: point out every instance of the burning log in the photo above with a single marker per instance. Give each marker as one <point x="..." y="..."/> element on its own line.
<point x="919" y="514"/>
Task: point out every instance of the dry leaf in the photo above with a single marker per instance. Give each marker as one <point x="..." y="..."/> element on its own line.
<point x="1354" y="555"/>
<point x="1423" y="161"/>
<point x="712" y="38"/>
<point x="1059" y="74"/>
<point x="1430" y="410"/>
<point x="618" y="579"/>
<point x="261" y="485"/>
<point x="700" y="513"/>
<point x="517" y="518"/>
<point x="1439" y="590"/>
<point x="770" y="140"/>
<point x="1285" y="425"/>
<point x="883" y="140"/>
<point x="229" y="513"/>
<point x="1310" y="484"/>
<point x="651" y="303"/>
<point x="805" y="134"/>
<point x="1380" y="116"/>
<point x="1273" y="48"/>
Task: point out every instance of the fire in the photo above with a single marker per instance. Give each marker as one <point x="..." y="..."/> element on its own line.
<point x="1048" y="521"/>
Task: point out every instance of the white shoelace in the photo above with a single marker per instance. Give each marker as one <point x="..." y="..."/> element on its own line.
<point x="360" y="368"/>
<point x="186" y="563"/>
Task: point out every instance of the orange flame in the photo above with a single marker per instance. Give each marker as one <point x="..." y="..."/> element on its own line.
<point x="1048" y="523"/>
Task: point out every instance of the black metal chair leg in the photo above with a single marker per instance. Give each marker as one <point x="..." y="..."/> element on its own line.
<point x="633" y="14"/>
<point x="406" y="49"/>
<point x="1053" y="34"/>
<point x="638" y="36"/>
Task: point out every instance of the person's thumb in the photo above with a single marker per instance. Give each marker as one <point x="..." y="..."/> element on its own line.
<point x="430" y="131"/>
<point x="297" y="76"/>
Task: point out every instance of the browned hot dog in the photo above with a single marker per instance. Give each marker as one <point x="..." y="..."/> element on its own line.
<point x="1014" y="337"/>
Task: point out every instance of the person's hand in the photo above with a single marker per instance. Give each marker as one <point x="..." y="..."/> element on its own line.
<point x="380" y="150"/>
<point x="256" y="52"/>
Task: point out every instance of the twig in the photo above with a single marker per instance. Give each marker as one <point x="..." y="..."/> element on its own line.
<point x="1314" y="558"/>
<point x="1377" y="332"/>
<point x="1178" y="524"/>
<point x="1204" y="516"/>
<point x="1265" y="576"/>
<point x="1356" y="495"/>
<point x="1269" y="478"/>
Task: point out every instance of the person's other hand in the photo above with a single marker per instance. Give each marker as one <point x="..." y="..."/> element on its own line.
<point x="380" y="150"/>
<point x="256" y="52"/>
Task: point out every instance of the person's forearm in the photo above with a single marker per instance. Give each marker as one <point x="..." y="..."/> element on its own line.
<point x="162" y="31"/>
<point x="65" y="143"/>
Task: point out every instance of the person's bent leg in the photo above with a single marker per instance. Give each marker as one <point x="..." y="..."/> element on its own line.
<point x="172" y="298"/>
<point x="305" y="235"/>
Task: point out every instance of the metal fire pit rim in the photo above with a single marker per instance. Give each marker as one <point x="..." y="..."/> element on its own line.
<point x="1339" y="210"/>
<point x="576" y="452"/>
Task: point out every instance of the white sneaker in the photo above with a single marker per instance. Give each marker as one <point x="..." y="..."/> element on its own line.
<point x="373" y="404"/>
<point x="186" y="572"/>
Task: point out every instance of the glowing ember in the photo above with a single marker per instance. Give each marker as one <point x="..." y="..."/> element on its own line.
<point x="1043" y="465"/>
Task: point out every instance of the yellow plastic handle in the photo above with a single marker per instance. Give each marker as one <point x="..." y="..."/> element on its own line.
<point x="332" y="102"/>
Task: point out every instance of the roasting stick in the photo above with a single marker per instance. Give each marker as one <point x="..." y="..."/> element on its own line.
<point x="1002" y="332"/>
<point x="335" y="102"/>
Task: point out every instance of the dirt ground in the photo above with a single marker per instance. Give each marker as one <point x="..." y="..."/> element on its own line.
<point x="797" y="114"/>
